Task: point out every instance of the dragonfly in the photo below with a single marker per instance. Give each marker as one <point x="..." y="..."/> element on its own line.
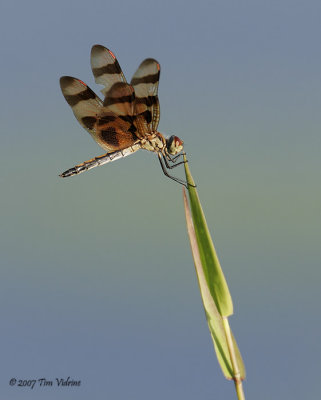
<point x="127" y="119"/>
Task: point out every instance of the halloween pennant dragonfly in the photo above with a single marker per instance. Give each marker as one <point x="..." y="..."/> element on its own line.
<point x="127" y="119"/>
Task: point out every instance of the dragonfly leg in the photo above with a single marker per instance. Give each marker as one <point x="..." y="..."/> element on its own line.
<point x="186" y="184"/>
<point x="167" y="158"/>
<point x="173" y="159"/>
<point x="174" y="165"/>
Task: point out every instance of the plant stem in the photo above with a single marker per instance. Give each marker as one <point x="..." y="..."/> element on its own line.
<point x="236" y="372"/>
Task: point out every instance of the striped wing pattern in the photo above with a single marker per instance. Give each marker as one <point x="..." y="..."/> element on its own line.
<point x="107" y="72"/>
<point x="85" y="104"/>
<point x="105" y="68"/>
<point x="145" y="83"/>
<point x="128" y="112"/>
<point x="112" y="131"/>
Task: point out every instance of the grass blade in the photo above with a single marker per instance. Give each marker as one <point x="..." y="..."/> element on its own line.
<point x="214" y="319"/>
<point x="212" y="269"/>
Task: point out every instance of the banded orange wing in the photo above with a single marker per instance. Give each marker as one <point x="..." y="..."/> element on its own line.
<point x="127" y="119"/>
<point x="105" y="68"/>
<point x="111" y="130"/>
<point x="145" y="83"/>
<point x="85" y="104"/>
<point x="107" y="71"/>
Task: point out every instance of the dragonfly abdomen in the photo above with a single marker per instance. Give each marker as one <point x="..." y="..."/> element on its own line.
<point x="100" y="160"/>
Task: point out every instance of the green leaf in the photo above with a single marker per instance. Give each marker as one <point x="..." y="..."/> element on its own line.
<point x="212" y="269"/>
<point x="214" y="319"/>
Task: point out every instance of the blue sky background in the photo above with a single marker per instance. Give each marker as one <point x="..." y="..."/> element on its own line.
<point x="96" y="279"/>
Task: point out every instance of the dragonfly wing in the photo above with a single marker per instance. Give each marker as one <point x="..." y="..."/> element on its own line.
<point x="85" y="104"/>
<point x="114" y="132"/>
<point x="111" y="131"/>
<point x="116" y="124"/>
<point x="105" y="67"/>
<point x="120" y="99"/>
<point x="145" y="83"/>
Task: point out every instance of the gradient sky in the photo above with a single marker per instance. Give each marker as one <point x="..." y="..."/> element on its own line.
<point x="97" y="280"/>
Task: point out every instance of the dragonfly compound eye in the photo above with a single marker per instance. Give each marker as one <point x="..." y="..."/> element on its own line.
<point x="174" y="145"/>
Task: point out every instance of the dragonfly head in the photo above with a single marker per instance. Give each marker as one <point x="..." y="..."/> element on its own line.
<point x="174" y="145"/>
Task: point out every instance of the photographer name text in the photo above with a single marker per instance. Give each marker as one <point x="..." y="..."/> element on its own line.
<point x="44" y="382"/>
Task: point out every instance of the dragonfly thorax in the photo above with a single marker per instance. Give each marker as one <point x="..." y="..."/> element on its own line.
<point x="174" y="145"/>
<point x="157" y="142"/>
<point x="154" y="142"/>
